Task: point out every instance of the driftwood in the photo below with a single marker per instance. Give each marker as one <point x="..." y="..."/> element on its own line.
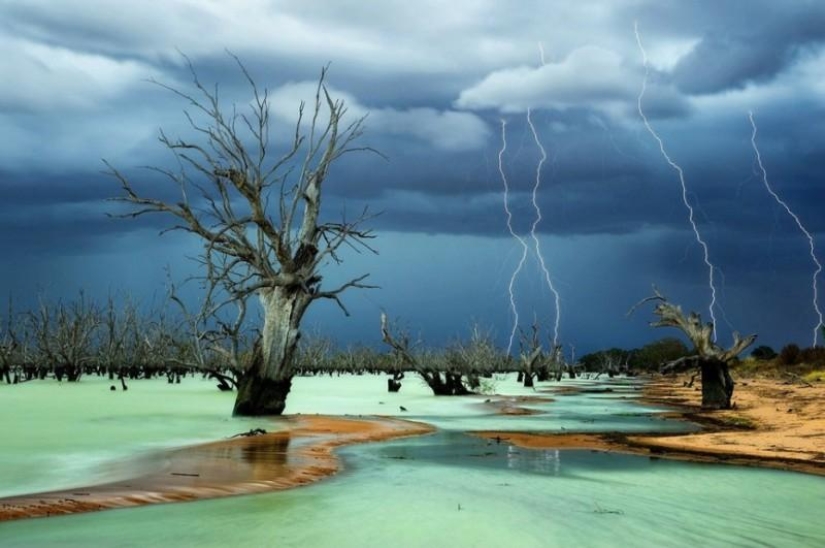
<point x="793" y="377"/>
<point x="250" y="433"/>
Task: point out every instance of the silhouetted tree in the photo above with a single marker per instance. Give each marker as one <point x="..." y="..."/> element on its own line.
<point x="763" y="353"/>
<point x="790" y="354"/>
<point x="657" y="353"/>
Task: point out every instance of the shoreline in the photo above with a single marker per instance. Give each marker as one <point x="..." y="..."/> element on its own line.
<point x="301" y="454"/>
<point x="773" y="425"/>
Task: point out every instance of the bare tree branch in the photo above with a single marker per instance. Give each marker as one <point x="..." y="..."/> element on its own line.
<point x="249" y="247"/>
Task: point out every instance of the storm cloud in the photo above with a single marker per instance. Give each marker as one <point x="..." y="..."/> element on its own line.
<point x="442" y="87"/>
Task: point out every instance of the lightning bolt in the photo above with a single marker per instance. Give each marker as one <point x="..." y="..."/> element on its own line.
<point x="535" y="224"/>
<point x="524" y="248"/>
<point x="675" y="166"/>
<point x="793" y="215"/>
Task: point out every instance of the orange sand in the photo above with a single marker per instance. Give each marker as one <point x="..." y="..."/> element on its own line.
<point x="297" y="456"/>
<point x="529" y="440"/>
<point x="780" y="424"/>
<point x="773" y="425"/>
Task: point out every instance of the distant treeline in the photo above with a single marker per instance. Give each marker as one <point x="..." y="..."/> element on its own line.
<point x="66" y="340"/>
<point x="654" y="356"/>
<point x="649" y="358"/>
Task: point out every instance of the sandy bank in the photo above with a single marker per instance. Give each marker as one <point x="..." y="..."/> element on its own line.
<point x="778" y="424"/>
<point x="300" y="454"/>
<point x="774" y="425"/>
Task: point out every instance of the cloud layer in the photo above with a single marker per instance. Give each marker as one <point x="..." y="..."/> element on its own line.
<point x="435" y="81"/>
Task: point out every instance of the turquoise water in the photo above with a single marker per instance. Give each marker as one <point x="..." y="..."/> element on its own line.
<point x="58" y="435"/>
<point x="450" y="489"/>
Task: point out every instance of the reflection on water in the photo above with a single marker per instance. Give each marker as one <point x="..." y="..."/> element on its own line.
<point x="446" y="489"/>
<point x="256" y="458"/>
<point x="451" y="449"/>
<point x="547" y="461"/>
<point x="426" y="492"/>
<point x="62" y="435"/>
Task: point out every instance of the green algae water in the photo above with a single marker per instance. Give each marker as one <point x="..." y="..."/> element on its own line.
<point x="59" y="435"/>
<point x="445" y="489"/>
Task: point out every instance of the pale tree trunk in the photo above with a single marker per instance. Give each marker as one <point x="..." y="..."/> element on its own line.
<point x="252" y="247"/>
<point x="263" y="389"/>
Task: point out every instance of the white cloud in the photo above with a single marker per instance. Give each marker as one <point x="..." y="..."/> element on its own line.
<point x="589" y="76"/>
<point x="43" y="77"/>
<point x="395" y="36"/>
<point x="665" y="53"/>
<point x="802" y="84"/>
<point x="285" y="99"/>
<point x="443" y="129"/>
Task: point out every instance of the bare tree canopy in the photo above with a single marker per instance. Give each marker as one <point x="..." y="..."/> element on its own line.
<point x="712" y="359"/>
<point x="258" y="214"/>
<point x="448" y="384"/>
<point x="700" y="334"/>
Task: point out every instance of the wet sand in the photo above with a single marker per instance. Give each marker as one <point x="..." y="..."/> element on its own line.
<point x="777" y="423"/>
<point x="774" y="424"/>
<point x="300" y="454"/>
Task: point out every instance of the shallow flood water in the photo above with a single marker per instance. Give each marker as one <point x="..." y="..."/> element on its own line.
<point x="445" y="489"/>
<point x="56" y="435"/>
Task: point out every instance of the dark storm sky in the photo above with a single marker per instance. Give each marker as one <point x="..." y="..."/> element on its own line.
<point x="436" y="79"/>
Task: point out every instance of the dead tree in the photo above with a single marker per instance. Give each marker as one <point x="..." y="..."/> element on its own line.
<point x="120" y="326"/>
<point x="711" y="359"/>
<point x="155" y="344"/>
<point x="258" y="214"/>
<point x="557" y="362"/>
<point x="313" y="353"/>
<point x="571" y="365"/>
<point x="532" y="358"/>
<point x="9" y="345"/>
<point x="442" y="379"/>
<point x="230" y="346"/>
<point x="64" y="337"/>
<point x="211" y="343"/>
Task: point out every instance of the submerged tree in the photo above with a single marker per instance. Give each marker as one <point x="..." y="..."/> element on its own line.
<point x="258" y="213"/>
<point x="712" y="360"/>
<point x="453" y="373"/>
<point x="442" y="382"/>
<point x="9" y="344"/>
<point x="64" y="336"/>
<point x="532" y="358"/>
